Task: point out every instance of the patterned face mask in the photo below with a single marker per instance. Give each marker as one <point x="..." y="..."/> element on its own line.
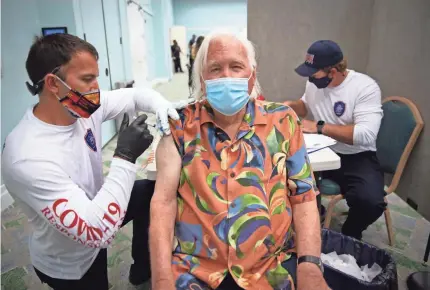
<point x="80" y="105"/>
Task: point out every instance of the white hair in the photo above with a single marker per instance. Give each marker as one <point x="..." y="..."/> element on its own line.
<point x="201" y="59"/>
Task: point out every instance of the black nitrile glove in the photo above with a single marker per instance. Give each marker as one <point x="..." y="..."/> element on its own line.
<point x="133" y="140"/>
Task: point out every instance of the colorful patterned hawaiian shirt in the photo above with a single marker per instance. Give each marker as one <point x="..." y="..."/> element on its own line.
<point x="234" y="198"/>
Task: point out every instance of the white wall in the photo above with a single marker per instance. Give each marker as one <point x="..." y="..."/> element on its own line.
<point x="283" y="33"/>
<point x="18" y="29"/>
<point x="125" y="40"/>
<point x="163" y="20"/>
<point x="138" y="44"/>
<point x="202" y="16"/>
<point x="56" y="13"/>
<point x="113" y="37"/>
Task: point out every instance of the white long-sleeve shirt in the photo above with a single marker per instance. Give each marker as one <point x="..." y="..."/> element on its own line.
<point x="356" y="101"/>
<point x="55" y="174"/>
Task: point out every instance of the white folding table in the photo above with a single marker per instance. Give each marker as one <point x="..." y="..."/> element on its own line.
<point x="324" y="159"/>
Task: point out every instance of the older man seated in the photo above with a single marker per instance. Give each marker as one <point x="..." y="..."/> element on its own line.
<point x="231" y="180"/>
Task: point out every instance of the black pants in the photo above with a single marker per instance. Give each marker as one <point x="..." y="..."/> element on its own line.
<point x="228" y="284"/>
<point x="177" y="62"/>
<point x="362" y="183"/>
<point x="97" y="277"/>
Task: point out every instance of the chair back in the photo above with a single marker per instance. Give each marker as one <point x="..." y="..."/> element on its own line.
<point x="400" y="127"/>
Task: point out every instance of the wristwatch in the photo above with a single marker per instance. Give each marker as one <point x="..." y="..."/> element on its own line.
<point x="311" y="259"/>
<point x="320" y="125"/>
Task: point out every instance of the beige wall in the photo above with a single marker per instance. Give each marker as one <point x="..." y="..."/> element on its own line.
<point x="388" y="39"/>
<point x="283" y="30"/>
<point x="400" y="62"/>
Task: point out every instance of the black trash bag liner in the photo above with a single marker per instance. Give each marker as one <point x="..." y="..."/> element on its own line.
<point x="364" y="254"/>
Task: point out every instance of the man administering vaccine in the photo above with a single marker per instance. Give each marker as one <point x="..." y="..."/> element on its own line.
<point x="52" y="166"/>
<point x="346" y="106"/>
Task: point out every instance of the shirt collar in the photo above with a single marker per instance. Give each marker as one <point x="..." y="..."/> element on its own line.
<point x="255" y="113"/>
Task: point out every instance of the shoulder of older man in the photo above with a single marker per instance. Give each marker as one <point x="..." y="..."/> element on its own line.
<point x="189" y="112"/>
<point x="272" y="107"/>
<point x="276" y="112"/>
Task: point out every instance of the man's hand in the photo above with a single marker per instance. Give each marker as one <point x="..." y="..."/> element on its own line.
<point x="310" y="277"/>
<point x="309" y="126"/>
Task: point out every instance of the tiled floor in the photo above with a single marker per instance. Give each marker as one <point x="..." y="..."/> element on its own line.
<point x="17" y="273"/>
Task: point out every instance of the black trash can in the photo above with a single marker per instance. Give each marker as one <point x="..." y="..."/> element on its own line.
<point x="364" y="254"/>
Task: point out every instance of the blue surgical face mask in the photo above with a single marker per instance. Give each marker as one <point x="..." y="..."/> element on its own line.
<point x="227" y="95"/>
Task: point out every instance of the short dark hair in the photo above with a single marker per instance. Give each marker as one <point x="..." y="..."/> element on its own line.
<point x="52" y="51"/>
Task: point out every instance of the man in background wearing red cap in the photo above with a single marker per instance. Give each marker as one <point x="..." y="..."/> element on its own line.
<point x="346" y="106"/>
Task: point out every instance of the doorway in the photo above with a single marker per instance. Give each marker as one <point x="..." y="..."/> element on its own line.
<point x="149" y="40"/>
<point x="136" y="24"/>
<point x="98" y="17"/>
<point x="179" y="33"/>
<point x="114" y="41"/>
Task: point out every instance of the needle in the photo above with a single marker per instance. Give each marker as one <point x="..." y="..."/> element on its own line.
<point x="150" y="125"/>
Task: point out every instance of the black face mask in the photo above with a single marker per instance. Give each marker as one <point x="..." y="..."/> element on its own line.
<point x="322" y="82"/>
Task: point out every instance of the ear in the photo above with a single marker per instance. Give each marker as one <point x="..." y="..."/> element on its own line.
<point x="53" y="85"/>
<point x="252" y="80"/>
<point x="203" y="86"/>
<point x="333" y="72"/>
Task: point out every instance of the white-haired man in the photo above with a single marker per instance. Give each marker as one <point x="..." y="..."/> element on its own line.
<point x="229" y="183"/>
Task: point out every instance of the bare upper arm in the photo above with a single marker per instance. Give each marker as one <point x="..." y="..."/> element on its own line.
<point x="301" y="110"/>
<point x="169" y="165"/>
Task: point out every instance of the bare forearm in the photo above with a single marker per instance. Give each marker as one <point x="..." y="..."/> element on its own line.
<point x="341" y="133"/>
<point x="308" y="240"/>
<point x="308" y="231"/>
<point x="163" y="214"/>
<point x="161" y="239"/>
<point x="299" y="107"/>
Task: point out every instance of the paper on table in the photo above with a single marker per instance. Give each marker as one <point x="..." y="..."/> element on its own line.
<point x="315" y="142"/>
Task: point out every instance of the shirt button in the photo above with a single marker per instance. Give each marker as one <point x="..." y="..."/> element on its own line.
<point x="232" y="175"/>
